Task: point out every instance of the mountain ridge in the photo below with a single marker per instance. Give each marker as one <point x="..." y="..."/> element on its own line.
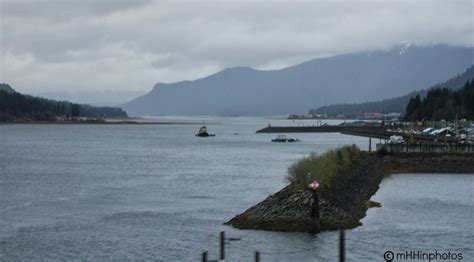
<point x="395" y="104"/>
<point x="355" y="77"/>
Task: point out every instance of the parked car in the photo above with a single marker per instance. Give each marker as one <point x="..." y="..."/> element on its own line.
<point x="396" y="140"/>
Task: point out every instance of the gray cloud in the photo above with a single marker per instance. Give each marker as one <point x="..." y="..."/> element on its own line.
<point x="127" y="46"/>
<point x="64" y="10"/>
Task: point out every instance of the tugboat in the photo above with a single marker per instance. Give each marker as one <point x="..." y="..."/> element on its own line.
<point x="203" y="132"/>
<point x="284" y="139"/>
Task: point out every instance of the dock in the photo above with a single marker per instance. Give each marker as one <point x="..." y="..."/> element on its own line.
<point x="319" y="129"/>
<point x="378" y="132"/>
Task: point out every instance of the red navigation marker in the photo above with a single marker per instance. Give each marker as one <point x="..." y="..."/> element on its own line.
<point x="314" y="185"/>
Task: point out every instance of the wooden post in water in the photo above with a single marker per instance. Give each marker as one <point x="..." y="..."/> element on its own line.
<point x="222" y="245"/>
<point x="257" y="256"/>
<point x="341" y="247"/>
<point x="204" y="256"/>
<point x="370" y="144"/>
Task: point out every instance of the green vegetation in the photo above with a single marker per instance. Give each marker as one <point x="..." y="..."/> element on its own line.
<point x="442" y="103"/>
<point x="383" y="106"/>
<point x="374" y="204"/>
<point x="16" y="106"/>
<point x="326" y="167"/>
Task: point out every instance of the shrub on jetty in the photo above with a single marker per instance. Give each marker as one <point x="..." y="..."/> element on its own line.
<point x="326" y="167"/>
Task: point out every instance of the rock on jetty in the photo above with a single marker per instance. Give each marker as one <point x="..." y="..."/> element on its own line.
<point x="345" y="203"/>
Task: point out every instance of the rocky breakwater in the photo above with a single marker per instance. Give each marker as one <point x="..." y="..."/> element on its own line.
<point x="348" y="178"/>
<point x="351" y="178"/>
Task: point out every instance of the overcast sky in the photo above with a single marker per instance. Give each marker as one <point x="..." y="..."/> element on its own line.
<point x="109" y="51"/>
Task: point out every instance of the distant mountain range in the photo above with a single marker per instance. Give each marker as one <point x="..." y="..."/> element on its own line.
<point x="349" y="78"/>
<point x="397" y="104"/>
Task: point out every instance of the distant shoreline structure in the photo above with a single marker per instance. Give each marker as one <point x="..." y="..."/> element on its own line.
<point x="364" y="116"/>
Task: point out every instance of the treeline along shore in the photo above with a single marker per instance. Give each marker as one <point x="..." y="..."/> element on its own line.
<point x="17" y="107"/>
<point x="348" y="178"/>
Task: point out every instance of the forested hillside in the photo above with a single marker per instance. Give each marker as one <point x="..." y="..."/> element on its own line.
<point x="16" y="106"/>
<point x="443" y="103"/>
<point x="397" y="104"/>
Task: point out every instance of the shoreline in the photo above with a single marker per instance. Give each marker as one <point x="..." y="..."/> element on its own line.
<point x="95" y="123"/>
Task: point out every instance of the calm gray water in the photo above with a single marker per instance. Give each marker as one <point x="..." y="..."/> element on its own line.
<point x="156" y="192"/>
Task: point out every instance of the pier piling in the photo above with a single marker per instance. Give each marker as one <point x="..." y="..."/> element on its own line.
<point x="342" y="251"/>
<point x="257" y="256"/>
<point x="222" y="245"/>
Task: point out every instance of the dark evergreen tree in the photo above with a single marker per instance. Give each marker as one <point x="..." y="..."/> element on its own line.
<point x="413" y="107"/>
<point x="443" y="103"/>
<point x="75" y="112"/>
